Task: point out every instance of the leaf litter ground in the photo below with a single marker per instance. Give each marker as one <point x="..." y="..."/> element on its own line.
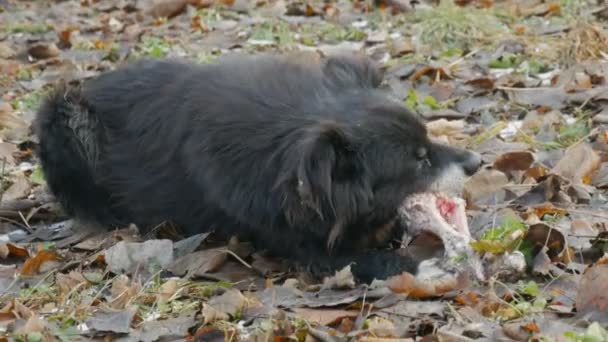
<point x="522" y="82"/>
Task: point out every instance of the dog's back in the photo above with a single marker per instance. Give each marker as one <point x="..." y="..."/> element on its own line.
<point x="297" y="156"/>
<point x="152" y="116"/>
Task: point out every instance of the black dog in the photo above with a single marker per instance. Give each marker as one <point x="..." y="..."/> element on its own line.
<point x="309" y="160"/>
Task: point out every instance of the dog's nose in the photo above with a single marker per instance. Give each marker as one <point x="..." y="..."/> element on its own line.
<point x="472" y="163"/>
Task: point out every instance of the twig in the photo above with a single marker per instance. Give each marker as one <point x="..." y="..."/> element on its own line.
<point x="6" y="219"/>
<point x="2" y="178"/>
<point x="238" y="258"/>
<point x="29" y="229"/>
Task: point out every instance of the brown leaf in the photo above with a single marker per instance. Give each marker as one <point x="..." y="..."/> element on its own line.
<point x="164" y="330"/>
<point x="34" y="324"/>
<point x="324" y="316"/>
<point x="199" y="263"/>
<point x="118" y="321"/>
<point x="167" y="290"/>
<point x="542" y="263"/>
<point x="514" y="161"/>
<point x="536" y="172"/>
<point x="401" y="47"/>
<point x="20" y="310"/>
<point x="18" y="190"/>
<point x="579" y="162"/>
<point x="381" y="327"/>
<point x="43" y="51"/>
<point x="222" y="307"/>
<point x="13" y="125"/>
<point x="435" y="73"/>
<point x="541" y="235"/>
<point x="7" y="150"/>
<point x="550" y="97"/>
<point x="541" y="9"/>
<point x="547" y="209"/>
<point x="593" y="290"/>
<point x="165" y="8"/>
<point x="69" y="282"/>
<point x="122" y="291"/>
<point x="482" y="83"/>
<point x="33" y="265"/>
<point x="65" y="36"/>
<point x="414" y="288"/>
<point x="486" y="187"/>
<point x="443" y="127"/>
<point x="531" y="327"/>
<point x="6" y="51"/>
<point x="128" y="256"/>
<point x="10" y="67"/>
<point x="547" y="191"/>
<point x="209" y="333"/>
<point x="266" y="266"/>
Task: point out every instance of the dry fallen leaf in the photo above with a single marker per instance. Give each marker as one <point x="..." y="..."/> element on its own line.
<point x="18" y="190"/>
<point x="129" y="256"/>
<point x="593" y="290"/>
<point x="199" y="263"/>
<point x="117" y="321"/>
<point x="34" y="264"/>
<point x="167" y="290"/>
<point x="324" y="316"/>
<point x="122" y="291"/>
<point x="342" y="279"/>
<point x="34" y="324"/>
<point x="69" y="282"/>
<point x="43" y="51"/>
<point x="414" y="288"/>
<point x="541" y="235"/>
<point x="550" y="97"/>
<point x="486" y="187"/>
<point x="482" y="83"/>
<point x="222" y="307"/>
<point x="514" y="161"/>
<point x="381" y="327"/>
<point x="164" y="8"/>
<point x="578" y="162"/>
<point x="443" y="127"/>
<point x="165" y="330"/>
<point x="12" y="127"/>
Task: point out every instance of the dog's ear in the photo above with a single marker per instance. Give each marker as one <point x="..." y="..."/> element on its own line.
<point x="325" y="157"/>
<point x="345" y="70"/>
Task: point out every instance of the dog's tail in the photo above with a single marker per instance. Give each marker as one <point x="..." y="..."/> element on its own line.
<point x="70" y="139"/>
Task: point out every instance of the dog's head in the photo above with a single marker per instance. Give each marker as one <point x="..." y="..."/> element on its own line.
<point x="365" y="153"/>
<point x="344" y="170"/>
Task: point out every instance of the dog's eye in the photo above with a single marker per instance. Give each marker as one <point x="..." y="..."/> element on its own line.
<point x="421" y="153"/>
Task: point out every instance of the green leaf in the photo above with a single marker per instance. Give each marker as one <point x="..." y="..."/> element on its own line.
<point x="411" y="100"/>
<point x="34" y="337"/>
<point x="37" y="176"/>
<point x="452" y="52"/>
<point x="500" y="239"/>
<point x="531" y="288"/>
<point x="503" y="62"/>
<point x="431" y="102"/>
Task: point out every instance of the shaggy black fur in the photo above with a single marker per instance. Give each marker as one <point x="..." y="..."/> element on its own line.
<point x="310" y="161"/>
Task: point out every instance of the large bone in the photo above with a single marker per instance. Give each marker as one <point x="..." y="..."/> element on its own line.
<point x="420" y="213"/>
